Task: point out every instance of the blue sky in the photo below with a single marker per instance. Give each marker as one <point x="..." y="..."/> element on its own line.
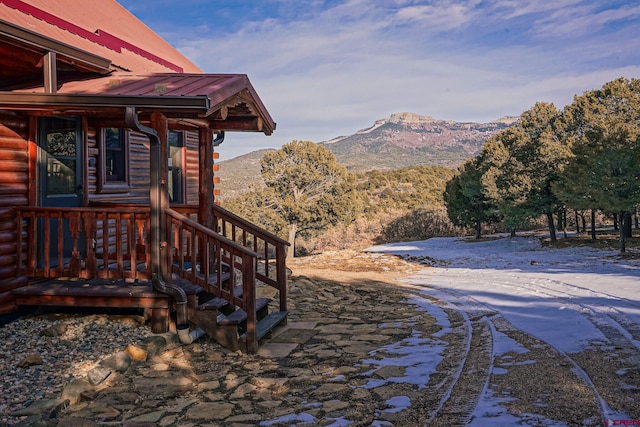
<point x="329" y="68"/>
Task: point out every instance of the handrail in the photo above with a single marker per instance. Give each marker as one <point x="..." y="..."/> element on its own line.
<point x="268" y="246"/>
<point x="198" y="254"/>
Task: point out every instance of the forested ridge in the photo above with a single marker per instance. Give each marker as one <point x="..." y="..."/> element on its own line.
<point x="553" y="167"/>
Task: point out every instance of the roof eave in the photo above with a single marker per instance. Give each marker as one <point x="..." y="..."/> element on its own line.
<point x="67" y="53"/>
<point x="44" y="100"/>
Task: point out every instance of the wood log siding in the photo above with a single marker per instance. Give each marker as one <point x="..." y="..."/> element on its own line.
<point x="14" y="191"/>
<point x="139" y="172"/>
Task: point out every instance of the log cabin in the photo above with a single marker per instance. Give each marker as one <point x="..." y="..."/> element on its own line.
<point x="107" y="177"/>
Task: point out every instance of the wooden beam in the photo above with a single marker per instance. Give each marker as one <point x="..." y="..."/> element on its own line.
<point x="50" y="70"/>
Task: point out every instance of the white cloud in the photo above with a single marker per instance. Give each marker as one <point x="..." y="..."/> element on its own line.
<point x="329" y="71"/>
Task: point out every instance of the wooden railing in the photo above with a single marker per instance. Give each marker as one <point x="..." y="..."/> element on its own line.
<point x="271" y="249"/>
<point x="112" y="242"/>
<point x="215" y="263"/>
<point x="83" y="242"/>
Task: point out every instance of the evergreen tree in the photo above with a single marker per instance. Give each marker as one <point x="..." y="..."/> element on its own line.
<point x="523" y="163"/>
<point x="465" y="199"/>
<point x="310" y="190"/>
<point x="603" y="128"/>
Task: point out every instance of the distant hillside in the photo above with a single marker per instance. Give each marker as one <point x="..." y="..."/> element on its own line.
<point x="402" y="140"/>
<point x="407" y="139"/>
<point x="237" y="174"/>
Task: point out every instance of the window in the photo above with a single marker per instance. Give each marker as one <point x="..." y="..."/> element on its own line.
<point x="114" y="165"/>
<point x="176" y="166"/>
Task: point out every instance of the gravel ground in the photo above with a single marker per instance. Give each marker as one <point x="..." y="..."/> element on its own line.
<point x="43" y="352"/>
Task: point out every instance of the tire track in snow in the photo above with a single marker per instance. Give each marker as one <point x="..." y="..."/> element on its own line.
<point x="475" y="309"/>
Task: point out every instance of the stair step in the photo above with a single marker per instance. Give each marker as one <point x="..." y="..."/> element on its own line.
<point x="213" y="304"/>
<point x="239" y="316"/>
<point x="268" y="323"/>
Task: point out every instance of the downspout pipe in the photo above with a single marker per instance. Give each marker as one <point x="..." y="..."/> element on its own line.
<point x="219" y="139"/>
<point x="155" y="194"/>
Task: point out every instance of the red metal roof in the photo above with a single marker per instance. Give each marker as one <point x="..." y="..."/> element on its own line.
<point x="107" y="30"/>
<point x="143" y="64"/>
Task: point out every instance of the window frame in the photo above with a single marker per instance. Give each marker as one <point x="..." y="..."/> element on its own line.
<point x="181" y="149"/>
<point x="104" y="184"/>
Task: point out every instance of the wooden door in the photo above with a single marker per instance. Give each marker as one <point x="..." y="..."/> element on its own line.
<point x="61" y="172"/>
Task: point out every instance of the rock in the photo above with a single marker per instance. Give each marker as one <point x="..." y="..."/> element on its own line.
<point x="98" y="374"/>
<point x="54" y="330"/>
<point x="49" y="408"/>
<point x="30" y="360"/>
<point x="118" y="362"/>
<point x="136" y="353"/>
<point x="210" y="411"/>
<point x="74" y="390"/>
<point x="154" y="345"/>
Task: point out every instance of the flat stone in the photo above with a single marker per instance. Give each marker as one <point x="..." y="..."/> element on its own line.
<point x="174" y="383"/>
<point x="70" y="421"/>
<point x="118" y="362"/>
<point x="154" y="344"/>
<point x="243" y="390"/>
<point x="54" y="330"/>
<point x="276" y="350"/>
<point x="30" y="360"/>
<point x="180" y="405"/>
<point x="210" y="411"/>
<point x="387" y="372"/>
<point x="75" y="389"/>
<point x="329" y="388"/>
<point x="244" y="418"/>
<point x="151" y="417"/>
<point x="47" y="407"/>
<point x="136" y="353"/>
<point x="291" y="335"/>
<point x="208" y="385"/>
<point x="98" y="374"/>
<point x="334" y="405"/>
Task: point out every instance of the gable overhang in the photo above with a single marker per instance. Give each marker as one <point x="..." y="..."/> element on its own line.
<point x="222" y="102"/>
<point x="33" y="41"/>
<point x="25" y="53"/>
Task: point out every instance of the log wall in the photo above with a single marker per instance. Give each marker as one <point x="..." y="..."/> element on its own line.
<point x="14" y="191"/>
<point x="14" y="186"/>
<point x="139" y="172"/>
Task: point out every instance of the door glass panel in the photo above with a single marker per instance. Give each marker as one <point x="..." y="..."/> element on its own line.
<point x="60" y="144"/>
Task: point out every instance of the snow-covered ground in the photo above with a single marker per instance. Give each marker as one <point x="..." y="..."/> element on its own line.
<point x="556" y="295"/>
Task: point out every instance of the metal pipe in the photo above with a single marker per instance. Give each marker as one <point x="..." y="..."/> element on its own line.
<point x="219" y="139"/>
<point x="155" y="194"/>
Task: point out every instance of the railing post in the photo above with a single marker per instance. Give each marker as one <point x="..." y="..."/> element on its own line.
<point x="281" y="274"/>
<point x="249" y="297"/>
<point x="91" y="263"/>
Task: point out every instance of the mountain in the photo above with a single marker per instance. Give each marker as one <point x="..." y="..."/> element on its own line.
<point x="402" y="140"/>
<point x="238" y="174"/>
<point x="407" y="139"/>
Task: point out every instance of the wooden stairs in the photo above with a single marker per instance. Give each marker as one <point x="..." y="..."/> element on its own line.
<point x="224" y="322"/>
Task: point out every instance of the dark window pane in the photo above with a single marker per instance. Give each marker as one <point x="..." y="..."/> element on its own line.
<point x="114" y="144"/>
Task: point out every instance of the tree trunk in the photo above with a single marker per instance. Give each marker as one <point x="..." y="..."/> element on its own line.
<point x="625" y="223"/>
<point x="623" y="243"/>
<point x="513" y="232"/>
<point x="552" y="228"/>
<point x="577" y="222"/>
<point x="291" y="251"/>
<point x="478" y="229"/>
<point x="593" y="224"/>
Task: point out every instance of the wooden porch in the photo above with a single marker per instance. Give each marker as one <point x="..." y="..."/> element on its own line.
<point x="100" y="256"/>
